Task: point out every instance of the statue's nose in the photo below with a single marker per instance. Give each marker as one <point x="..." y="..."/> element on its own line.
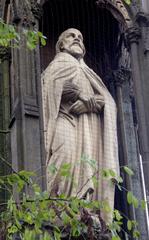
<point x="77" y="39"/>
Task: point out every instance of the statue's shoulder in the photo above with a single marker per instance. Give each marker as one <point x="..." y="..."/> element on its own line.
<point x="66" y="58"/>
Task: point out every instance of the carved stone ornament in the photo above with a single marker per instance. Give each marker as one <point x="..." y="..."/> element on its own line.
<point x="36" y="9"/>
<point x="132" y="35"/>
<point x="118" y="5"/>
<point x="121" y="76"/>
<point x="22" y="13"/>
<point x="28" y="17"/>
<point x="16" y="14"/>
<point x="142" y="18"/>
<point x="4" y="54"/>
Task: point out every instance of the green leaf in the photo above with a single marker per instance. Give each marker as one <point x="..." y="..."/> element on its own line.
<point x="52" y="215"/>
<point x="1" y="181"/>
<point x="40" y="34"/>
<point x="105" y="173"/>
<point x="119" y="179"/>
<point x="46" y="236"/>
<point x="26" y="174"/>
<point x="119" y="187"/>
<point x="52" y="168"/>
<point x="106" y="207"/>
<point x="36" y="188"/>
<point x="12" y="229"/>
<point x="129" y="197"/>
<point x="31" y="45"/>
<point x="127" y="2"/>
<point x="75" y="227"/>
<point x="28" y="218"/>
<point x="43" y="41"/>
<point x="65" y="218"/>
<point x="13" y="179"/>
<point x="95" y="181"/>
<point x="91" y="162"/>
<point x="112" y="173"/>
<point x="116" y="227"/>
<point x="143" y="204"/>
<point x="75" y="205"/>
<point x="134" y="223"/>
<point x="128" y="171"/>
<point x="20" y="185"/>
<point x="116" y="238"/>
<point x="57" y="235"/>
<point x="117" y="214"/>
<point x="136" y="234"/>
<point x="65" y="170"/>
<point x="135" y="202"/>
<point x="129" y="225"/>
<point x="29" y="234"/>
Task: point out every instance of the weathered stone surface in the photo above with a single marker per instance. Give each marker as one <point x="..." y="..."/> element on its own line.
<point x="76" y="108"/>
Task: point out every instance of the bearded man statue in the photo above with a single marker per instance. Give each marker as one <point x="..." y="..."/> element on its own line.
<point x="80" y="124"/>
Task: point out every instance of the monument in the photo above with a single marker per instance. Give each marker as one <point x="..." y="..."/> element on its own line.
<point x="80" y="124"/>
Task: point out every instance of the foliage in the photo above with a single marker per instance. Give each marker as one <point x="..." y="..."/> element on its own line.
<point x="10" y="37"/>
<point x="127" y="2"/>
<point x="38" y="216"/>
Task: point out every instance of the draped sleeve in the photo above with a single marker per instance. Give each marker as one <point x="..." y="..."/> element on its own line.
<point x="54" y="77"/>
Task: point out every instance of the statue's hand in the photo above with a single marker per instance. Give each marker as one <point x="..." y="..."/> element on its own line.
<point x="89" y="102"/>
<point x="78" y="107"/>
<point x="99" y="102"/>
<point x="93" y="103"/>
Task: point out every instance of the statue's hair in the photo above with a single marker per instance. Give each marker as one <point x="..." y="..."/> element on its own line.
<point x="60" y="40"/>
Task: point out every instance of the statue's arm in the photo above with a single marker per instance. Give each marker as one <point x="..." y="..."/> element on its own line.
<point x="94" y="105"/>
<point x="82" y="103"/>
<point x="71" y="92"/>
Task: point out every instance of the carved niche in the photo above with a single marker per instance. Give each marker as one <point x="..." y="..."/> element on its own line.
<point x="117" y="8"/>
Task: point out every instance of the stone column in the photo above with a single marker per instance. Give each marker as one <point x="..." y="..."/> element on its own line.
<point x="128" y="144"/>
<point x="4" y="114"/>
<point x="37" y="11"/>
<point x="140" y="83"/>
<point x="145" y="5"/>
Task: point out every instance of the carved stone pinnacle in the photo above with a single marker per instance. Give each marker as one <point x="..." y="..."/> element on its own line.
<point x="4" y="54"/>
<point x="132" y="35"/>
<point x="36" y="9"/>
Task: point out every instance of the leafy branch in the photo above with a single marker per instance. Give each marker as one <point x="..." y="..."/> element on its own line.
<point x="9" y="37"/>
<point x="43" y="217"/>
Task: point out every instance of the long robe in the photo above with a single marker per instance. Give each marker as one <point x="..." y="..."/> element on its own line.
<point x="79" y="140"/>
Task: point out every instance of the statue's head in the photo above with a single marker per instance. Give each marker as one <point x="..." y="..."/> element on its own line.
<point x="71" y="41"/>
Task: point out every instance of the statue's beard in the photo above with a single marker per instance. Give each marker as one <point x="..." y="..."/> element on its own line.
<point x="75" y="50"/>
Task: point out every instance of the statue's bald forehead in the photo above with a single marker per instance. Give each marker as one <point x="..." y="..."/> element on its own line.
<point x="69" y="30"/>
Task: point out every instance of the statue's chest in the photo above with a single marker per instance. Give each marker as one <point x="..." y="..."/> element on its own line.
<point x="83" y="82"/>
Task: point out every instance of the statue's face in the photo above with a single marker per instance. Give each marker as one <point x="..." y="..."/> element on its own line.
<point x="72" y="43"/>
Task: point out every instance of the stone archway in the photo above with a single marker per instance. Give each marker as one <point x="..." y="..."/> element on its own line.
<point x="115" y="6"/>
<point x="117" y="80"/>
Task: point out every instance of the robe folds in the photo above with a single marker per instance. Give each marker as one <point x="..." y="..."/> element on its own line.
<point x="88" y="142"/>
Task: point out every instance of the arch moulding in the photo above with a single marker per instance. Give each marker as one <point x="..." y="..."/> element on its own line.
<point x="116" y="7"/>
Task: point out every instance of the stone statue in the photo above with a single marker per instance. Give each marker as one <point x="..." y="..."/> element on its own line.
<point x="80" y="123"/>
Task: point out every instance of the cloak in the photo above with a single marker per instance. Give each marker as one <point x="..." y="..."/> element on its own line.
<point x="87" y="142"/>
